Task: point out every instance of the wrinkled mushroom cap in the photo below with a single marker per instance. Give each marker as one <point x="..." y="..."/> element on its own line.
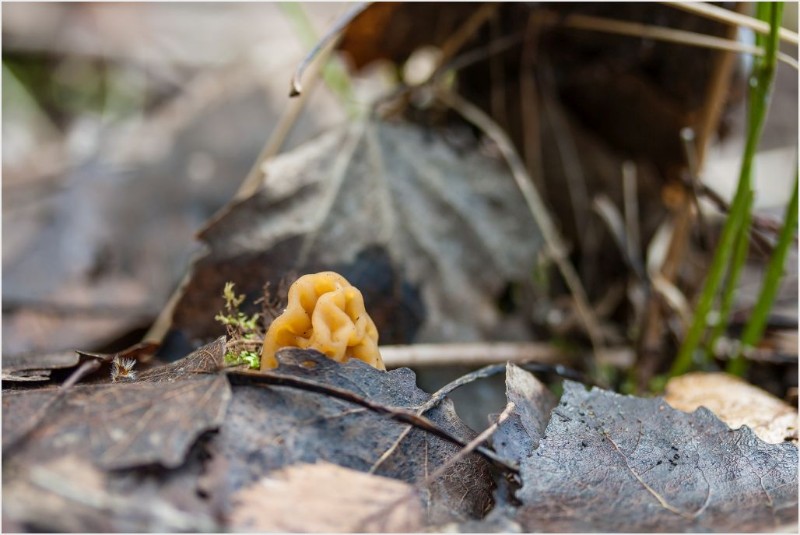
<point x="325" y="313"/>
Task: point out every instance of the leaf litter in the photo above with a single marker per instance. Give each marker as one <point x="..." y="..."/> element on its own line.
<point x="334" y="499"/>
<point x="612" y="463"/>
<point x="596" y="461"/>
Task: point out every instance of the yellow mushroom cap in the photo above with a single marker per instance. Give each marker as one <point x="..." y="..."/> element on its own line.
<point x="326" y="313"/>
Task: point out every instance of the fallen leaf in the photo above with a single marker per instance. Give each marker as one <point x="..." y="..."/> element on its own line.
<point x="430" y="236"/>
<point x="736" y="403"/>
<point x="36" y="367"/>
<point x="324" y="497"/>
<point x="620" y="463"/>
<point x="124" y="425"/>
<point x="69" y="494"/>
<point x="519" y="435"/>
<point x="271" y="427"/>
<point x="47" y="361"/>
<point x="26" y="376"/>
<point x="56" y="495"/>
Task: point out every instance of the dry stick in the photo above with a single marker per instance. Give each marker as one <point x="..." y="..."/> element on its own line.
<point x="296" y="89"/>
<point x="530" y="103"/>
<point x="763" y="223"/>
<point x="395" y="356"/>
<point x="497" y="76"/>
<point x="281" y="131"/>
<point x="567" y="151"/>
<point x="479" y="54"/>
<point x="400" y="415"/>
<point x="469" y="448"/>
<point x="464" y="33"/>
<point x="449" y="463"/>
<point x="481" y="373"/>
<point x="630" y="207"/>
<point x="660" y="33"/>
<point x="537" y="208"/>
<point x="690" y="152"/>
<point x="434" y="400"/>
<point x="720" y="14"/>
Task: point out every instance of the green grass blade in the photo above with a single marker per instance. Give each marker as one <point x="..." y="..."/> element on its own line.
<point x="769" y="289"/>
<point x="760" y="90"/>
<point x="737" y="263"/>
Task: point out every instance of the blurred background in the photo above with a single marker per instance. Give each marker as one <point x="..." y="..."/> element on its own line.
<point x="125" y="127"/>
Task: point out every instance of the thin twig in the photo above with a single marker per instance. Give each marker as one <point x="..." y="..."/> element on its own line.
<point x="400" y="415"/>
<point x="469" y="448"/>
<point x="531" y="104"/>
<point x="472" y="354"/>
<point x="690" y="151"/>
<point x="630" y="206"/>
<point x="464" y="33"/>
<point x="537" y="208"/>
<point x="660" y="33"/>
<point x="296" y="89"/>
<point x="447" y="465"/>
<point x="482" y="373"/>
<point x="723" y="15"/>
<point x="572" y="168"/>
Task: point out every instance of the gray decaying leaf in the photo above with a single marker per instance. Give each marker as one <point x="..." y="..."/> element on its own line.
<point x="331" y="498"/>
<point x="619" y="463"/>
<point x="519" y="435"/>
<point x="430" y="236"/>
<point x="270" y="427"/>
<point x="125" y="425"/>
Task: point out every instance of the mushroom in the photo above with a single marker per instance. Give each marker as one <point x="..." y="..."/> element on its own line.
<point x="326" y="313"/>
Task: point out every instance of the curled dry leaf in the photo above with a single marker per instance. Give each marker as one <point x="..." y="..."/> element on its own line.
<point x="736" y="403"/>
<point x="324" y="497"/>
<point x="620" y="463"/>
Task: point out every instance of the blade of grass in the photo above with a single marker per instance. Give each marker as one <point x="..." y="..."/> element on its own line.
<point x="760" y="90"/>
<point x="737" y="263"/>
<point x="769" y="290"/>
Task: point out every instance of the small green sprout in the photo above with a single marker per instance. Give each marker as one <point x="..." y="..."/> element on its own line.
<point x="244" y="335"/>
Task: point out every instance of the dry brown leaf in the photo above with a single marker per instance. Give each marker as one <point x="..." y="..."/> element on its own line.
<point x="324" y="497"/>
<point x="736" y="403"/>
